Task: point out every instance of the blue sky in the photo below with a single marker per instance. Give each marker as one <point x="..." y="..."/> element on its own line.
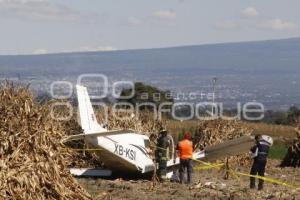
<point x="48" y="26"/>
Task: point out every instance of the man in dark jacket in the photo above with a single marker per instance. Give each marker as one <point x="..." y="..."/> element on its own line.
<point x="259" y="154"/>
<point x="161" y="154"/>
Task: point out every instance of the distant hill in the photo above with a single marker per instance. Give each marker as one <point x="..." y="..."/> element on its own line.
<point x="274" y="56"/>
<point x="265" y="71"/>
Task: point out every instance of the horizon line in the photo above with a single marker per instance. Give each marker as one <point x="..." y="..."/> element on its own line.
<point x="154" y="48"/>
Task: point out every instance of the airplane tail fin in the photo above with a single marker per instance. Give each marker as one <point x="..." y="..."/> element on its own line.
<point x="87" y="117"/>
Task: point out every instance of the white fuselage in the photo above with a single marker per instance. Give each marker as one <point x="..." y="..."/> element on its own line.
<point x="124" y="152"/>
<point x="130" y="152"/>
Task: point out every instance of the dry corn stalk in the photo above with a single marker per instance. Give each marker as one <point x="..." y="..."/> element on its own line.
<point x="143" y="123"/>
<point x="32" y="161"/>
<point x="217" y="131"/>
<point x="292" y="158"/>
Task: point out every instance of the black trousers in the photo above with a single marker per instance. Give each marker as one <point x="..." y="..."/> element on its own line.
<point x="162" y="169"/>
<point x="258" y="167"/>
<point x="186" y="164"/>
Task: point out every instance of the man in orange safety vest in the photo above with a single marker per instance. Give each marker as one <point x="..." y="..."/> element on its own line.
<point x="185" y="149"/>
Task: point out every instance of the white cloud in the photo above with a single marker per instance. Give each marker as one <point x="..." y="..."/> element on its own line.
<point x="40" y="51"/>
<point x="165" y="14"/>
<point x="40" y="10"/>
<point x="20" y="1"/>
<point x="26" y="1"/>
<point x="277" y="24"/>
<point x="80" y="49"/>
<point x="227" y="24"/>
<point x="133" y="21"/>
<point x="249" y="12"/>
<point x="91" y="49"/>
<point x="97" y="48"/>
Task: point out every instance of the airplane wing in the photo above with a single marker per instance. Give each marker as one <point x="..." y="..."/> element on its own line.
<point x="219" y="151"/>
<point x="229" y="148"/>
<point x="196" y="156"/>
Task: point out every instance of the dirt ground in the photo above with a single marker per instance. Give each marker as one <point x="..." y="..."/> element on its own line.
<point x="208" y="184"/>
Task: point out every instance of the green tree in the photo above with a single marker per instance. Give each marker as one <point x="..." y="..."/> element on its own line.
<point x="293" y="115"/>
<point x="146" y="94"/>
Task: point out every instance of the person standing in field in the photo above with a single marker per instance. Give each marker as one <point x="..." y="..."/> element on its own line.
<point x="259" y="153"/>
<point x="161" y="154"/>
<point x="185" y="150"/>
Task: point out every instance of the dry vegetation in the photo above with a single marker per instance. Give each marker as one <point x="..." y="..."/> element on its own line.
<point x="278" y="131"/>
<point x="217" y="131"/>
<point x="143" y="123"/>
<point x="33" y="162"/>
<point x="292" y="158"/>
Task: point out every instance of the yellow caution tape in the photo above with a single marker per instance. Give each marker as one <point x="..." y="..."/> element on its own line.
<point x="218" y="165"/>
<point x="209" y="167"/>
<point x="234" y="174"/>
<point x="270" y="180"/>
<point x="205" y="163"/>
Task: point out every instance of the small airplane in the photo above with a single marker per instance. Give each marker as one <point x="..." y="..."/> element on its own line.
<point x="128" y="151"/>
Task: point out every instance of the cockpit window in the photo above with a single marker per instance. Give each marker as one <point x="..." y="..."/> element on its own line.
<point x="147" y="144"/>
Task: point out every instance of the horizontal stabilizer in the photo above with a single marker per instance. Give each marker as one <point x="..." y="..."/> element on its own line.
<point x="90" y="172"/>
<point x="106" y="133"/>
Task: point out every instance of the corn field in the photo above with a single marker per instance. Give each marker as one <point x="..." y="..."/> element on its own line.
<point x="33" y="162"/>
<point x="217" y="131"/>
